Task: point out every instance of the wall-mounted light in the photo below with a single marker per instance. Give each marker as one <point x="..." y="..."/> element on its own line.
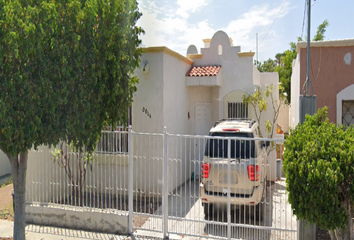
<point x="146" y="67"/>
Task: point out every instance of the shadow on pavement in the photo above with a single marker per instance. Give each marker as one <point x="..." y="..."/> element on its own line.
<point x="242" y="216"/>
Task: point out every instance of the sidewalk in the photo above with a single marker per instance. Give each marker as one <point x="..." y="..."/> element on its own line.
<point x="35" y="232"/>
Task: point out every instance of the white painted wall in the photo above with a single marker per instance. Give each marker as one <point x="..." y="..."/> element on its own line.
<point x="47" y="182"/>
<point x="256" y="76"/>
<point x="270" y="79"/>
<point x="175" y="118"/>
<point x="148" y="101"/>
<point x="175" y="95"/>
<point x="69" y="217"/>
<point x="5" y="166"/>
<point x="295" y="93"/>
<point x="284" y="117"/>
<point x="237" y="72"/>
<point x="149" y="95"/>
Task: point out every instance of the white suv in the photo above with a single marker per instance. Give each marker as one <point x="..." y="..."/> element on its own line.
<point x="248" y="167"/>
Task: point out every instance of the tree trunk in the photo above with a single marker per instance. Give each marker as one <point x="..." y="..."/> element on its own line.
<point x="346" y="233"/>
<point x="332" y="235"/>
<point x="19" y="169"/>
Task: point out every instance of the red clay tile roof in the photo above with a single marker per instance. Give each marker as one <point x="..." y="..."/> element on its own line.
<point x="203" y="71"/>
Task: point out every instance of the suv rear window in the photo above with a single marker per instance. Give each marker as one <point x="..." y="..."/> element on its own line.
<point x="240" y="149"/>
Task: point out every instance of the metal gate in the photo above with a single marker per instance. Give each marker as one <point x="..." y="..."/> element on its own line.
<point x="165" y="192"/>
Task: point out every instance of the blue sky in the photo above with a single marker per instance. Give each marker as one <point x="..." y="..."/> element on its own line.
<point x="179" y="23"/>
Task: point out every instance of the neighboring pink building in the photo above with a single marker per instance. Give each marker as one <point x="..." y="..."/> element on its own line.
<point x="332" y="77"/>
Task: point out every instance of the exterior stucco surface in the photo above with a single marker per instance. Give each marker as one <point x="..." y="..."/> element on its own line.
<point x="330" y="73"/>
<point x="295" y="93"/>
<point x="71" y="218"/>
<point x="149" y="95"/>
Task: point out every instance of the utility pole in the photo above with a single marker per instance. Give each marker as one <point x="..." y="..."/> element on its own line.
<point x="308" y="103"/>
<point x="307" y="107"/>
<point x="257" y="50"/>
<point x="308" y="48"/>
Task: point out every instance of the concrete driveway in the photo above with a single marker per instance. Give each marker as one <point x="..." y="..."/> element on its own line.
<point x="187" y="221"/>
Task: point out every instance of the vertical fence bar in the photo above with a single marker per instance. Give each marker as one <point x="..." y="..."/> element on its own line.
<point x="130" y="176"/>
<point x="165" y="186"/>
<point x="229" y="189"/>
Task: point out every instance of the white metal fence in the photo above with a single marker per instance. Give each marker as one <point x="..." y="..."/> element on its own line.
<point x="160" y="176"/>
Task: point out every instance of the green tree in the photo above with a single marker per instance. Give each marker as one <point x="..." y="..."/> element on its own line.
<point x="259" y="101"/>
<point x="278" y="60"/>
<point x="266" y="66"/>
<point x="285" y="69"/>
<point x="321" y="29"/>
<point x="319" y="167"/>
<point x="65" y="72"/>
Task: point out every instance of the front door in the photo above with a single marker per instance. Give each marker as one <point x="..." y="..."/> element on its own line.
<point x="202" y="127"/>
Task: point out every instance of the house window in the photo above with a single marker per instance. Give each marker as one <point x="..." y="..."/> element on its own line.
<point x="347" y="112"/>
<point x="237" y="110"/>
<point x="115" y="141"/>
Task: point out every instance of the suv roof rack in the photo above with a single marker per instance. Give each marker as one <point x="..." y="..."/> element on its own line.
<point x="246" y="120"/>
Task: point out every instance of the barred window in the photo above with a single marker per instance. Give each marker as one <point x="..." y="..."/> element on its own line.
<point x="347" y="113"/>
<point x="237" y="110"/>
<point x="115" y="141"/>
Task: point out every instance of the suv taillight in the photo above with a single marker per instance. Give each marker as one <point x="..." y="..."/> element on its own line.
<point x="205" y="170"/>
<point x="253" y="172"/>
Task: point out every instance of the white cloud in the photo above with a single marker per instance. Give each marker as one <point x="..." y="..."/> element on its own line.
<point x="177" y="32"/>
<point x="258" y="19"/>
<point x="186" y="6"/>
<point x="172" y="31"/>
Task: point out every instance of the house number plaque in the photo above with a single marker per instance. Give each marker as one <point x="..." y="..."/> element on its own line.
<point x="146" y="112"/>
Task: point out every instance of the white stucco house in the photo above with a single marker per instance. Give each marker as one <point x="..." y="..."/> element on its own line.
<point x="188" y="94"/>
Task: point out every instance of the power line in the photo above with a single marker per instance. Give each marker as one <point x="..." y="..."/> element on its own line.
<point x="271" y="25"/>
<point x="273" y="22"/>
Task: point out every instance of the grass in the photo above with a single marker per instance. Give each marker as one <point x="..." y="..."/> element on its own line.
<point x="7" y="182"/>
<point x="7" y="213"/>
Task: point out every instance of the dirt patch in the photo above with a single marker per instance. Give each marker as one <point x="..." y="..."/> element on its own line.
<point x="6" y="209"/>
<point x="141" y="204"/>
<point x="6" y="197"/>
<point x="7" y="213"/>
<point x="322" y="234"/>
<point x="138" y="221"/>
<point x="6" y="238"/>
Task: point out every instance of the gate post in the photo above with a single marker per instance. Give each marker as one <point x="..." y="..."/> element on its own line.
<point x="165" y="186"/>
<point x="229" y="189"/>
<point x="130" y="179"/>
